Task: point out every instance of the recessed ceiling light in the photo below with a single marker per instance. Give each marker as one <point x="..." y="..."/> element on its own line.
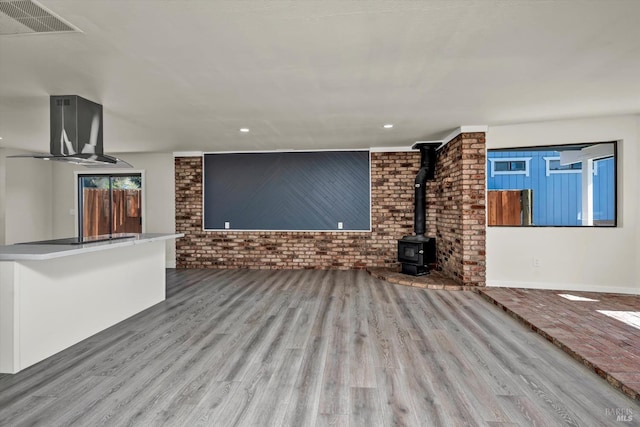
<point x="245" y="130"/>
<point x="388" y="126"/>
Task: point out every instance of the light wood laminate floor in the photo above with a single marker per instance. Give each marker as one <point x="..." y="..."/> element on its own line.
<point x="311" y="348"/>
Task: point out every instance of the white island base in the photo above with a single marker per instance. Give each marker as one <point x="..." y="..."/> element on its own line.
<point x="50" y="302"/>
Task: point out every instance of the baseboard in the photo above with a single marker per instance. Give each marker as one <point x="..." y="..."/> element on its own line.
<point x="563" y="287"/>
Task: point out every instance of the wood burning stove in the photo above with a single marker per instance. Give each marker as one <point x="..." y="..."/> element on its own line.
<point x="416" y="256"/>
<point x="416" y="252"/>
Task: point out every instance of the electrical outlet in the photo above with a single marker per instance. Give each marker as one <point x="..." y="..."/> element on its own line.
<point x="339" y="225"/>
<point x="227" y="225"/>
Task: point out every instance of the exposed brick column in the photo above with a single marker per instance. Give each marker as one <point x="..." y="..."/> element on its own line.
<point x="461" y="220"/>
<point x="188" y="182"/>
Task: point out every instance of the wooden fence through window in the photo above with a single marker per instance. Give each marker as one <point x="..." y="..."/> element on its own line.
<point x="125" y="214"/>
<point x="509" y="207"/>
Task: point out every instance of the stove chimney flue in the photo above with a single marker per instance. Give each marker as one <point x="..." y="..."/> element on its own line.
<point x="417" y="251"/>
<point x="426" y="173"/>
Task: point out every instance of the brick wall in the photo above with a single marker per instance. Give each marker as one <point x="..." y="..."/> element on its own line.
<point x="460" y="209"/>
<point x="455" y="215"/>
<point x="449" y="209"/>
<point x="392" y="176"/>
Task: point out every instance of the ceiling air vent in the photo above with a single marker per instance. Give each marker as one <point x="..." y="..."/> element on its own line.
<point x="28" y="17"/>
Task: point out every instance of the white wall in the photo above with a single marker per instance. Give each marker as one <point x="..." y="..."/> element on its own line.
<point x="25" y="199"/>
<point x="591" y="259"/>
<point x="3" y="188"/>
<point x="637" y="198"/>
<point x="159" y="196"/>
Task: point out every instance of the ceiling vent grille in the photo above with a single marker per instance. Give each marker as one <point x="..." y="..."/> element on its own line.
<point x="28" y="17"/>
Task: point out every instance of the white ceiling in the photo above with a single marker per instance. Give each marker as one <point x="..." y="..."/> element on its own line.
<point x="185" y="75"/>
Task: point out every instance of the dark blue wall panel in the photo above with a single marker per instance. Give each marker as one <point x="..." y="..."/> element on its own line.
<point x="287" y="191"/>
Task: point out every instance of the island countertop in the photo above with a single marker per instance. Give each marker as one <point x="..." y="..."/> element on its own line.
<point x="41" y="251"/>
<point x="55" y="293"/>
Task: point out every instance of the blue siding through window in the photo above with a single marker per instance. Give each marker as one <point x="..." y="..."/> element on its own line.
<point x="557" y="198"/>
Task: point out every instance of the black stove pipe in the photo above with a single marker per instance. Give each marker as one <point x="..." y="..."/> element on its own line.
<point x="426" y="172"/>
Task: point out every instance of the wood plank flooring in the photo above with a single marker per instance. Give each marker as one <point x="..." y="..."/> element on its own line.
<point x="311" y="348"/>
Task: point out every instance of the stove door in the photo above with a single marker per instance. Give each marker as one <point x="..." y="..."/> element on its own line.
<point x="411" y="252"/>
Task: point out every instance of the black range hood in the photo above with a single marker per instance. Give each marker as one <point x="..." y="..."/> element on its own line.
<point x="76" y="133"/>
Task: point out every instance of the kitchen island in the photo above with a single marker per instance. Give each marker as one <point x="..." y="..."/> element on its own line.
<point x="55" y="295"/>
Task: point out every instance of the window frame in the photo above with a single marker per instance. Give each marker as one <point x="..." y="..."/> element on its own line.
<point x="108" y="173"/>
<point x="549" y="171"/>
<point x="614" y="223"/>
<point x="525" y="172"/>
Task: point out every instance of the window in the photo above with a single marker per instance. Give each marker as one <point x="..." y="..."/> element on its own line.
<point x="513" y="166"/>
<point x="109" y="204"/>
<point x="562" y="185"/>
<point x="509" y="166"/>
<point x="553" y="166"/>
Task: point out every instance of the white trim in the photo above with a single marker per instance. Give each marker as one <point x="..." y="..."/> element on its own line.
<point x="549" y="172"/>
<point x="234" y="230"/>
<point x="463" y="129"/>
<point x="292" y="150"/>
<point x="202" y="172"/>
<point x="595" y="151"/>
<point x="187" y="154"/>
<point x="286" y="150"/>
<point x="587" y="192"/>
<point x="143" y="212"/>
<point x="526" y="160"/>
<point x="400" y="149"/>
<point x="575" y="287"/>
<point x="391" y="149"/>
<point x="437" y="141"/>
<point x="370" y="196"/>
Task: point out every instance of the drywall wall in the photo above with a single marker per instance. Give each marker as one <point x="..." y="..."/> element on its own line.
<point x="593" y="259"/>
<point x="159" y="196"/>
<point x="27" y="199"/>
<point x="637" y="198"/>
<point x="3" y="189"/>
